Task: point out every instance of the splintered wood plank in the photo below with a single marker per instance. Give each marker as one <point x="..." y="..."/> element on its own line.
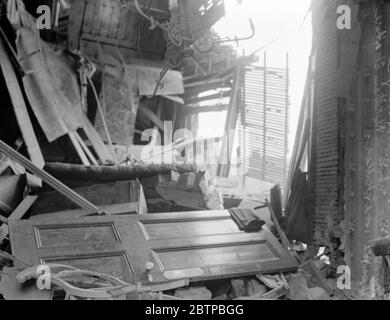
<point x="79" y="149"/>
<point x="22" y="208"/>
<point x="17" y="214"/>
<point x="110" y="210"/>
<point x="86" y="150"/>
<point x="152" y="116"/>
<point x="97" y="142"/>
<point x="100" y="194"/>
<point x="20" y="109"/>
<point x="230" y="125"/>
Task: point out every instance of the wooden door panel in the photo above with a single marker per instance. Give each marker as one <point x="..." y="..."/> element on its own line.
<point x="64" y="235"/>
<point x="190" y="224"/>
<point x="114" y="263"/>
<point x="163" y="230"/>
<point x="195" y="245"/>
<point x="219" y="256"/>
<point x="209" y="256"/>
<point x="86" y="244"/>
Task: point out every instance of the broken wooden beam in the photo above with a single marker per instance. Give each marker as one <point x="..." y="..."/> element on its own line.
<point x="11" y="192"/>
<point x="49" y="179"/>
<point x="197" y="110"/>
<point x="121" y="192"/>
<point x="88" y="152"/>
<point x="283" y="237"/>
<point x="17" y="214"/>
<point x="109" y="210"/>
<point x="80" y="152"/>
<point x="151" y="116"/>
<point x="230" y="126"/>
<point x="20" y="108"/>
<point x="100" y="148"/>
<point x="102" y="115"/>
<point x="22" y="208"/>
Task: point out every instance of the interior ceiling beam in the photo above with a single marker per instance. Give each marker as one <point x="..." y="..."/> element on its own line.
<point x="196" y="110"/>
<point x="113" y="43"/>
<point x="215" y="96"/>
<point x="152" y="9"/>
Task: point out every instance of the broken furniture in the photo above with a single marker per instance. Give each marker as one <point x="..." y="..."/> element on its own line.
<point x="196" y="191"/>
<point x="19" y="213"/>
<point x="246" y="220"/>
<point x="192" y="245"/>
<point x="150" y="176"/>
<point x="381" y="248"/>
<point x="125" y="196"/>
<point x="53" y="182"/>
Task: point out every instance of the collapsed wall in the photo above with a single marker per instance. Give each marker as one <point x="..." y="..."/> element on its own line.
<point x="351" y="150"/>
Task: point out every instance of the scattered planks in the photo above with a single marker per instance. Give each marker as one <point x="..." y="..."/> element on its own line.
<point x="151" y="116"/>
<point x="78" y="148"/>
<point x="49" y="179"/>
<point x="109" y="210"/>
<point x="11" y="192"/>
<point x="100" y="148"/>
<point x="231" y="124"/>
<point x="26" y="126"/>
<point x="121" y="192"/>
<point x="20" y="108"/>
<point x="285" y="241"/>
<point x="17" y="214"/>
<point x="88" y="152"/>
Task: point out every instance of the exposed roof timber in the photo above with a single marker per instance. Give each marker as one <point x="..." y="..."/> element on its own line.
<point x="152" y="9"/>
<point x="111" y="42"/>
<point x="206" y="82"/>
<point x="153" y="117"/>
<point x="215" y="96"/>
<point x="197" y="110"/>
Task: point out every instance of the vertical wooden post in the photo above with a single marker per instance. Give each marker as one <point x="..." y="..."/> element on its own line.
<point x="231" y="124"/>
<point x="20" y="108"/>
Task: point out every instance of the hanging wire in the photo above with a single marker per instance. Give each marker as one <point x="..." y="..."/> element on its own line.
<point x="142" y="25"/>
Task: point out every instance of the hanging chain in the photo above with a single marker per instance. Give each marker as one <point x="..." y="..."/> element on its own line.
<point x="171" y="27"/>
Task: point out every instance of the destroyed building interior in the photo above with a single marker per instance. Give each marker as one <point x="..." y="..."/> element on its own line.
<point x="107" y="181"/>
